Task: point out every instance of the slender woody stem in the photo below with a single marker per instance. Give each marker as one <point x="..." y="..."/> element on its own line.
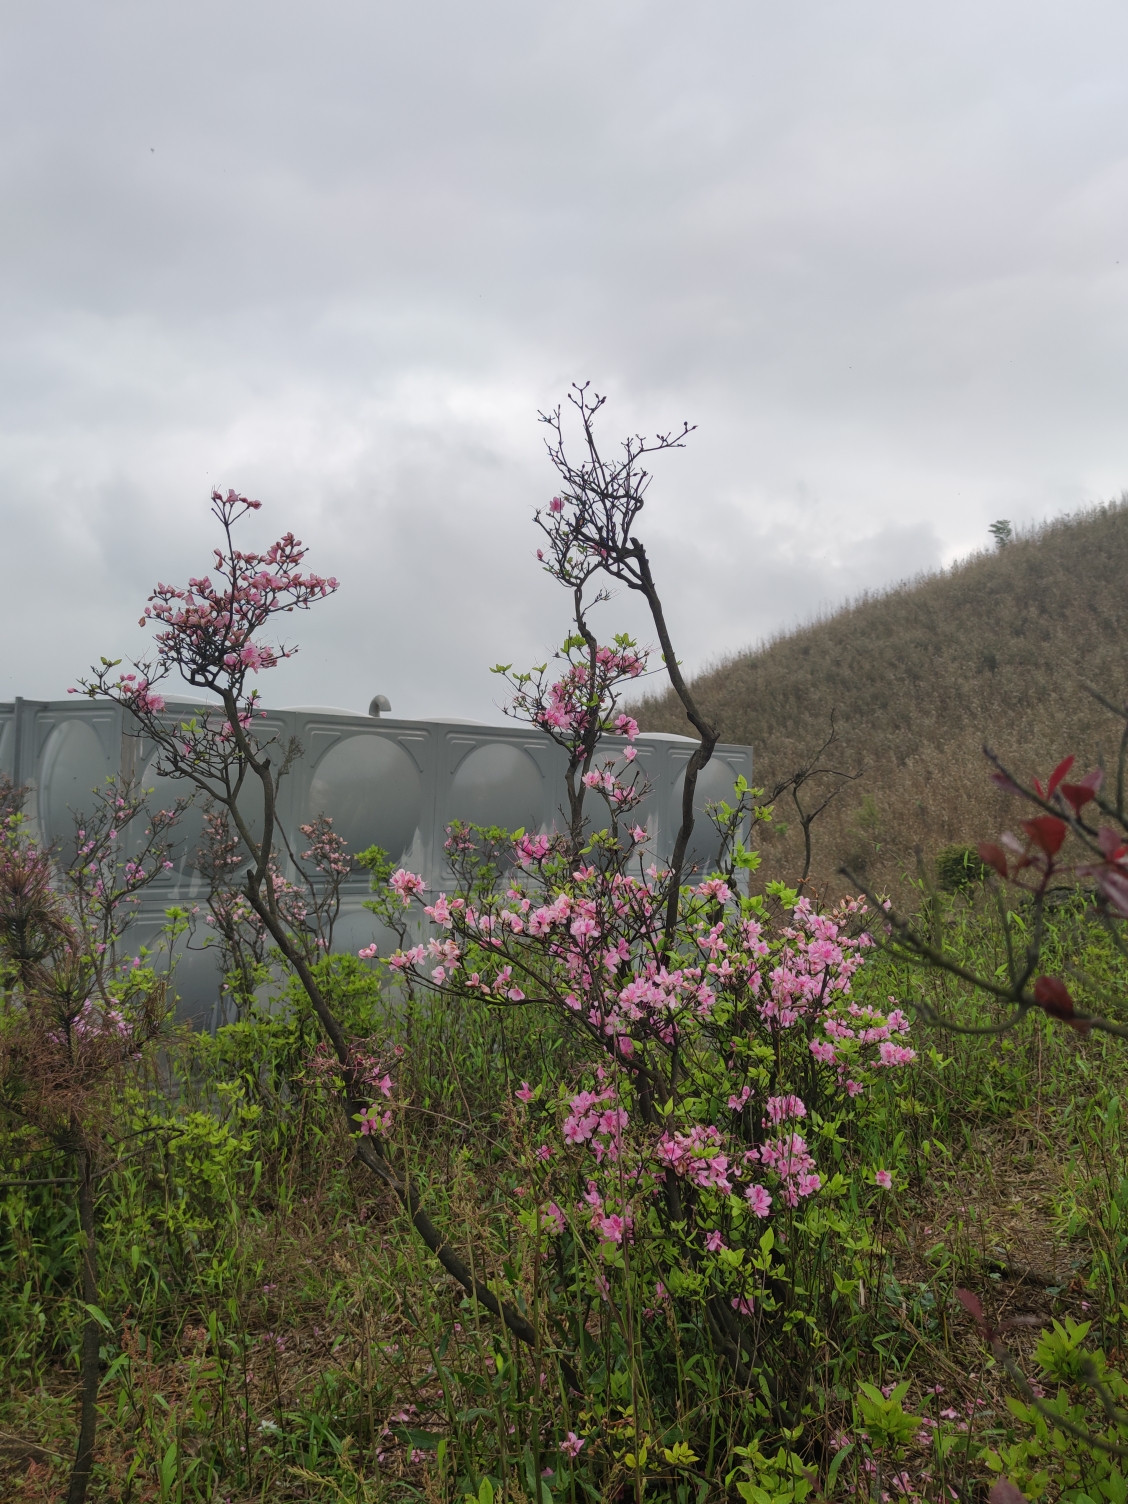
<point x="88" y="1420"/>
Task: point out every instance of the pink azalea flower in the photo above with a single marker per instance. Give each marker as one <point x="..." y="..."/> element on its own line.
<point x="780" y="1109"/>
<point x="610" y="1228"/>
<point x="554" y="1217"/>
<point x="884" y="1179"/>
<point x="759" y="1200"/>
<point x="406" y="883"/>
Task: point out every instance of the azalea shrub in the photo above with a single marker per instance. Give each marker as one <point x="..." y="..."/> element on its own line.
<point x="701" y="1171"/>
<point x="78" y="1017"/>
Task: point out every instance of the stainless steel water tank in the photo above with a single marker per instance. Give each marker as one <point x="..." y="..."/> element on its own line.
<point x="385" y="781"/>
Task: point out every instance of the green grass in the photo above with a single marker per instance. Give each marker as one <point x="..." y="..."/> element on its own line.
<point x="275" y="1330"/>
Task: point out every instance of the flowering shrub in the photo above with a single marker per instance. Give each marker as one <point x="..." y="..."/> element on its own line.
<point x="77" y="1014"/>
<point x="697" y="1157"/>
<point x="208" y="634"/>
<point x="308" y="908"/>
<point x="718" y="1063"/>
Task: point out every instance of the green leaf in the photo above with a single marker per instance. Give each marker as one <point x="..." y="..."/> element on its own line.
<point x="681" y="1454"/>
<point x="98" y="1314"/>
<point x="422" y="1441"/>
<point x="837" y="1461"/>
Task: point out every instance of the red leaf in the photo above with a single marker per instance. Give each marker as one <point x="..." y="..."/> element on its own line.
<point x="1052" y="995"/>
<point x="993" y="856"/>
<point x="1046" y="831"/>
<point x="1110" y="843"/>
<point x="1059" y="773"/>
<point x="1078" y="794"/>
<point x="972" y="1305"/>
<point x="1006" y="1492"/>
<point x="1006" y="783"/>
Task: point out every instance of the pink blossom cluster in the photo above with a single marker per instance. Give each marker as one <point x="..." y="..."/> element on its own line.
<point x="374" y="1120"/>
<point x="850" y="1031"/>
<point x="698" y="1156"/>
<point x="817" y="960"/>
<point x="619" y="795"/>
<point x="206" y="624"/>
<point x="609" y="1226"/>
<point x="135" y="689"/>
<point x="94" y="1021"/>
<point x="598" y="927"/>
<point x="368" y="1073"/>
<point x="406" y="884"/>
<point x="571" y="700"/>
<point x="782" y="1109"/>
<point x="592" y="939"/>
<point x="553" y="1218"/>
<point x="530" y="849"/>
<point x="208" y="634"/>
<point x="594" y="1119"/>
<point x="326" y="849"/>
<point x="405" y="958"/>
<point x="790" y="1159"/>
<point x="447" y="954"/>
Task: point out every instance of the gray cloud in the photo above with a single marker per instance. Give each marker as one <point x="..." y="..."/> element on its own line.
<point x="339" y="255"/>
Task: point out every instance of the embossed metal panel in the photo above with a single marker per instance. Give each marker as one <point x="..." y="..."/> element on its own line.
<point x="384" y="781"/>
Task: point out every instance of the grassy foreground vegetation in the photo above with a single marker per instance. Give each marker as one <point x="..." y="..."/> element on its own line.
<point x="274" y="1330"/>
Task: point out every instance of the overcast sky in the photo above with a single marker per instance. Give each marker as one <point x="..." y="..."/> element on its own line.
<point x="338" y="254"/>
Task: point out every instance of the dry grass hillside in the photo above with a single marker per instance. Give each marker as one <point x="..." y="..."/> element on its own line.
<point x="996" y="650"/>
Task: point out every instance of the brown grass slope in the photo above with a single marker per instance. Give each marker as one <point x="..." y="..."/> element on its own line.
<point x="995" y="650"/>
